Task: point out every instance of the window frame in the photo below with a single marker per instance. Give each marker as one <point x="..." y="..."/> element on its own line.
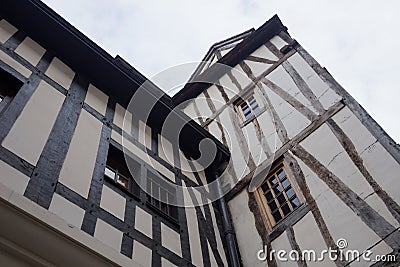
<point x="254" y="112"/>
<point x="266" y="212"/>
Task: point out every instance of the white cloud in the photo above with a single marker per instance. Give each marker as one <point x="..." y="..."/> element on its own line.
<point x="356" y="40"/>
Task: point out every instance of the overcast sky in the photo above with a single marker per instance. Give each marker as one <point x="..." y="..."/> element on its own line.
<point x="356" y="41"/>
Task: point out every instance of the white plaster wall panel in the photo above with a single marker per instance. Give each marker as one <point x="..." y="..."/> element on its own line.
<point x="166" y="263"/>
<point x="12" y="178"/>
<point x="324" y="146"/>
<point x="76" y="172"/>
<point x="321" y="90"/>
<point x="216" y="97"/>
<point x="189" y="109"/>
<point x="264" y="52"/>
<point x="165" y="150"/>
<point x="123" y="119"/>
<point x="239" y="162"/>
<point x="170" y="239"/>
<point x="213" y="262"/>
<point x="108" y="235"/>
<point x="380" y="249"/>
<point x="257" y="68"/>
<point x="96" y="99"/>
<point x="144" y="134"/>
<point x="377" y="204"/>
<point x="67" y="210"/>
<point x="141" y="254"/>
<point x="143" y="222"/>
<point x="255" y="147"/>
<point x="281" y="78"/>
<point x="282" y="243"/>
<point x="6" y="30"/>
<point x="204" y="110"/>
<point x="294" y="123"/>
<point x="193" y="231"/>
<point x="278" y="42"/>
<point x="60" y="73"/>
<point x="215" y="130"/>
<point x="220" y="246"/>
<point x="113" y="202"/>
<point x="119" y="114"/>
<point x="14" y="64"/>
<point x="309" y="237"/>
<point x="31" y="130"/>
<point x="30" y="51"/>
<point x="241" y="77"/>
<point x="354" y="129"/>
<point x="249" y="241"/>
<point x="383" y="168"/>
<point x="341" y="221"/>
<point x="269" y="130"/>
<point x="230" y="89"/>
<point x="142" y="155"/>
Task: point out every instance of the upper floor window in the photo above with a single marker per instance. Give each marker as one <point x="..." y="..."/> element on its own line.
<point x="9" y="87"/>
<point x="160" y="195"/>
<point x="247" y="108"/>
<point x="278" y="195"/>
<point x="117" y="170"/>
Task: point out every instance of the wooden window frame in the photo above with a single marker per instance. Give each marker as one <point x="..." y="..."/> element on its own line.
<point x="167" y="210"/>
<point x="246" y="99"/>
<point x="266" y="212"/>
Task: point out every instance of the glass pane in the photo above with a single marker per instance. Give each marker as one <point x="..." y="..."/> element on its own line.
<point x="268" y="196"/>
<point x="290" y="192"/>
<point x="286" y="209"/>
<point x="277" y="190"/>
<point x="281" y="199"/>
<point x="281" y="174"/>
<point x="249" y="116"/>
<point x="295" y="202"/>
<point x="265" y="187"/>
<point x="109" y="173"/>
<point x="272" y="206"/>
<point x="285" y="183"/>
<point x="277" y="216"/>
<point x="273" y="181"/>
<point x="123" y="181"/>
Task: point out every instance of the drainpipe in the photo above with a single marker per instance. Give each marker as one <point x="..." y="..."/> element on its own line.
<point x="226" y="223"/>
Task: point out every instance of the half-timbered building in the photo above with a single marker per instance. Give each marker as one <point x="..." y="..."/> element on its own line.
<point x="88" y="177"/>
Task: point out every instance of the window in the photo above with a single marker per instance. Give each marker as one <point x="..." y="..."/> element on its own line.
<point x="160" y="195"/>
<point x="118" y="171"/>
<point x="247" y="108"/>
<point x="9" y="87"/>
<point x="278" y="195"/>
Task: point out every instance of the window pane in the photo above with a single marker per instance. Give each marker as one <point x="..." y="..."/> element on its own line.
<point x="277" y="216"/>
<point x="281" y="174"/>
<point x="272" y="206"/>
<point x="277" y="190"/>
<point x="109" y="173"/>
<point x="295" y="202"/>
<point x="285" y="183"/>
<point x="273" y="181"/>
<point x="290" y="192"/>
<point x="268" y="196"/>
<point x="123" y="181"/>
<point x="286" y="209"/>
<point x="249" y="116"/>
<point x="265" y="187"/>
<point x="281" y="199"/>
